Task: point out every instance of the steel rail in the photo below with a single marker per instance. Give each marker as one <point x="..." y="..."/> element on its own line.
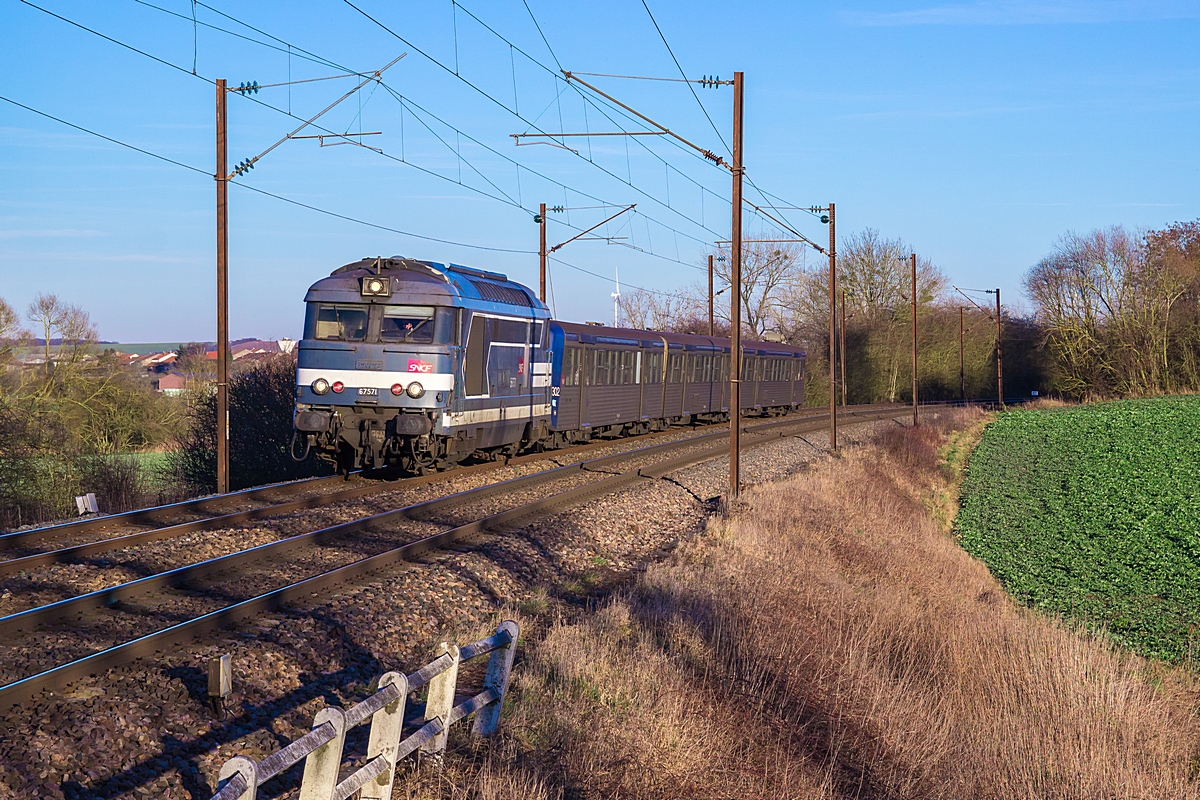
<point x="64" y="674"/>
<point x="148" y="515"/>
<point x="73" y="553"/>
<point x="73" y="607"/>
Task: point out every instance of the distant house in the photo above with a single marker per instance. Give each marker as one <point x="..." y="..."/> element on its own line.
<point x="127" y="359"/>
<point x="158" y="362"/>
<point x="253" y="349"/>
<point x="171" y="384"/>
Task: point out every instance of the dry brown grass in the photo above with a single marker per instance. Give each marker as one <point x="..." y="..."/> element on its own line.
<point x="829" y="639"/>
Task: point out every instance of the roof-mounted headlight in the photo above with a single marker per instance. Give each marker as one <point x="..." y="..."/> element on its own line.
<point x="376" y="286"/>
<point x="320" y="386"/>
<point x="415" y="390"/>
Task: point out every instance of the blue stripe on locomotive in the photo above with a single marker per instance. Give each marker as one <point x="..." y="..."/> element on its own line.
<point x="558" y="346"/>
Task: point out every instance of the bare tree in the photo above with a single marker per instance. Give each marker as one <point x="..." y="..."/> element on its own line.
<point x="72" y="324"/>
<point x="769" y="271"/>
<point x="8" y="320"/>
<point x="874" y="272"/>
<point x="46" y="313"/>
<point x="1107" y="305"/>
<point x="77" y="334"/>
<point x="10" y="335"/>
<point x="660" y="311"/>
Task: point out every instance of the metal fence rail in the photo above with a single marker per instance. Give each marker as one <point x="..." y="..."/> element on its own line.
<point x="321" y="748"/>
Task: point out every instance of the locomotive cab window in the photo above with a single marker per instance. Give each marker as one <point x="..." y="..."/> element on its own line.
<point x="340" y="322"/>
<point x="406" y="324"/>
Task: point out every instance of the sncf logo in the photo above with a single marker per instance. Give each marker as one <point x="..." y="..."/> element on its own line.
<point x="417" y="365"/>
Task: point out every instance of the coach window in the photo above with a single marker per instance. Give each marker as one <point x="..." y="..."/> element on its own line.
<point x="342" y="322"/>
<point x="675" y="368"/>
<point x="628" y="367"/>
<point x="570" y="367"/>
<point x="600" y="367"/>
<point x="652" y="367"/>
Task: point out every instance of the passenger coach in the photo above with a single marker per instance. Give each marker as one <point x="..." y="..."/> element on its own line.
<point x="421" y="365"/>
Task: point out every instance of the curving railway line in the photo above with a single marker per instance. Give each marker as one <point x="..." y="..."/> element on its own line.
<point x="57" y="642"/>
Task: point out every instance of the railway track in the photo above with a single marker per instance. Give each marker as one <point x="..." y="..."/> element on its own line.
<point x="133" y="528"/>
<point x="54" y="644"/>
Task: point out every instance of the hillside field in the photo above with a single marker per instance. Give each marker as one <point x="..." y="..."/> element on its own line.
<point x="1094" y="512"/>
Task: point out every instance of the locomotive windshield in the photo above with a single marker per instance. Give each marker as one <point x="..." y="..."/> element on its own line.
<point x="343" y="322"/>
<point x="406" y="324"/>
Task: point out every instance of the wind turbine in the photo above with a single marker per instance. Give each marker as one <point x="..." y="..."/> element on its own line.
<point x="616" y="296"/>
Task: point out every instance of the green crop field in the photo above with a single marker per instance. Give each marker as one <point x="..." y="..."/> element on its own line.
<point x="1094" y="512"/>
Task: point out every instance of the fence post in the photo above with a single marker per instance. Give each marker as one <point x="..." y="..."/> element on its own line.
<point x="386" y="724"/>
<point x="322" y="765"/>
<point x="487" y="719"/>
<point x="440" y="700"/>
<point x="240" y="765"/>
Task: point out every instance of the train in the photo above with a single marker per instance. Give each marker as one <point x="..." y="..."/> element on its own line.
<point x="417" y="366"/>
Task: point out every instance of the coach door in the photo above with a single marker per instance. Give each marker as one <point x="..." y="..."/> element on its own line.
<point x="569" y="391"/>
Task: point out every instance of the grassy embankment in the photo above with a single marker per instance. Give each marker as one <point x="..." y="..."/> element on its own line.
<point x="1094" y="512"/>
<point x="832" y="639"/>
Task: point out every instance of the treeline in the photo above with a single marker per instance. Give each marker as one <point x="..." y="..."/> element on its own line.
<point x="785" y="297"/>
<point x="1121" y="310"/>
<point x="1114" y="313"/>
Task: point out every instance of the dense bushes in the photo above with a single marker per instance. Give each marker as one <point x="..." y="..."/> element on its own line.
<point x="261" y="398"/>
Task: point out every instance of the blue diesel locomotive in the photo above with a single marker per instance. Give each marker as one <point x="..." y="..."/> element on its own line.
<point x="419" y="365"/>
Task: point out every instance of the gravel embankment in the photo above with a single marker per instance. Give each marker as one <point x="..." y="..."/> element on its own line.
<point x="144" y="730"/>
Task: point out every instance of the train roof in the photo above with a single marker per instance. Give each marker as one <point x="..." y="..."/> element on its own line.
<point x="429" y="283"/>
<point x="632" y="337"/>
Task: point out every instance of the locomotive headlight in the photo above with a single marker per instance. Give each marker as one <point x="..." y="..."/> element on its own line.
<point x="376" y="286"/>
<point x="320" y="386"/>
<point x="415" y="390"/>
<point x="337" y="387"/>
<point x="397" y="389"/>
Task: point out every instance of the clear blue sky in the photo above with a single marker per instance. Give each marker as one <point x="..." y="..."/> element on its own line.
<point x="977" y="131"/>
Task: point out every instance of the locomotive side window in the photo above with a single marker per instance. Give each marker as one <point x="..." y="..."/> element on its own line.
<point x="406" y="324"/>
<point x="507" y="346"/>
<point x="476" y="350"/>
<point x="342" y="322"/>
